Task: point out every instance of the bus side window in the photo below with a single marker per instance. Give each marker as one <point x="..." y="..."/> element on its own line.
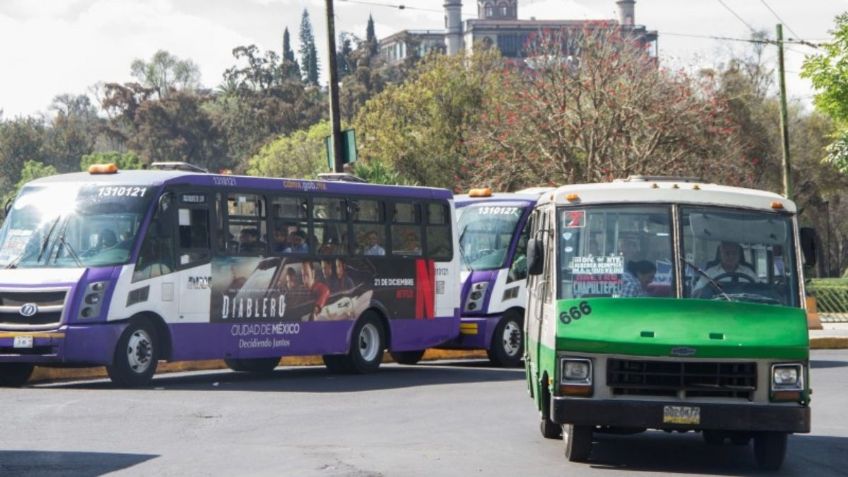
<point x="406" y="229"/>
<point x="156" y="256"/>
<point x="193" y="229"/>
<point x="247" y="234"/>
<point x="439" y="242"/>
<point x="518" y="267"/>
<point x="330" y="226"/>
<point x="369" y="227"/>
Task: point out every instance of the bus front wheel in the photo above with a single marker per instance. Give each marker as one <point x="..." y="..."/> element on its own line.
<point x="507" y="344"/>
<point x="770" y="449"/>
<point x="136" y="356"/>
<point x="578" y="442"/>
<point x="367" y="345"/>
<point x="254" y="365"/>
<point x="15" y="375"/>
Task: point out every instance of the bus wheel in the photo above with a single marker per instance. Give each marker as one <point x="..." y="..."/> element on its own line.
<point x="367" y="345"/>
<point x="770" y="449"/>
<point x="15" y="375"/>
<point x="578" y="442"/>
<point x="548" y="428"/>
<point x="136" y="356"/>
<point x="507" y="342"/>
<point x="407" y="357"/>
<point x="336" y="363"/>
<point x="254" y="365"/>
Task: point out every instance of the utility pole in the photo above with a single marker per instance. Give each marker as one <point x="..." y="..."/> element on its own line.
<point x="336" y="141"/>
<point x="784" y="127"/>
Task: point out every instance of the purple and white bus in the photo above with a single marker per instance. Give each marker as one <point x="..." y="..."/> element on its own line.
<point x="493" y="247"/>
<point x="126" y="268"/>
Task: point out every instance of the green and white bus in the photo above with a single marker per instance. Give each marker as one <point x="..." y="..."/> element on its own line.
<point x="663" y="303"/>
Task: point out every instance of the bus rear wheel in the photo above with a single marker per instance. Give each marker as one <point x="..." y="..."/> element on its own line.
<point x="578" y="442"/>
<point x="770" y="449"/>
<point x="407" y="357"/>
<point x="367" y="345"/>
<point x="254" y="365"/>
<point x="136" y="356"/>
<point x="507" y="345"/>
<point x="15" y="375"/>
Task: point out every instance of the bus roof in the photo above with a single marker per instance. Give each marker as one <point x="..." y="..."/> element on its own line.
<point x="530" y="196"/>
<point x="268" y="184"/>
<point x="668" y="191"/>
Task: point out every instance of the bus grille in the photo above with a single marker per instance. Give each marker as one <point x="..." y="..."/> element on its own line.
<point x="50" y="305"/>
<point x="682" y="379"/>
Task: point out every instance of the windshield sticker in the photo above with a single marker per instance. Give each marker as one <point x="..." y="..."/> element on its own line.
<point x="597" y="275"/>
<point x="574" y="219"/>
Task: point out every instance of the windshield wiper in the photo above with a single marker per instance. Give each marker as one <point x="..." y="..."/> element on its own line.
<point x="44" y="242"/>
<point x="709" y="278"/>
<point x="73" y="252"/>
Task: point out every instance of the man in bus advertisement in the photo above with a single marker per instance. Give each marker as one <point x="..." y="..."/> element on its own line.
<point x="249" y="289"/>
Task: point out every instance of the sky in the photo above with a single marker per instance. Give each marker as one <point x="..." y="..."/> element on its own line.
<point x="53" y="47"/>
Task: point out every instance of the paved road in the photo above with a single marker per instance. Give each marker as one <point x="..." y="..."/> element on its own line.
<point x="460" y="419"/>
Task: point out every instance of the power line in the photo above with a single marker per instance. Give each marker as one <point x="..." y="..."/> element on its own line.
<point x="397" y="6"/>
<point x="789" y="41"/>
<point x="737" y="16"/>
<point x="778" y="18"/>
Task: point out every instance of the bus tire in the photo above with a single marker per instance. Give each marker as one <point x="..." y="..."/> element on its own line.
<point x="407" y="357"/>
<point x="770" y="449"/>
<point x="507" y="345"/>
<point x="15" y="375"/>
<point x="253" y="365"/>
<point x="136" y="356"/>
<point x="366" y="345"/>
<point x="548" y="428"/>
<point x="578" y="442"/>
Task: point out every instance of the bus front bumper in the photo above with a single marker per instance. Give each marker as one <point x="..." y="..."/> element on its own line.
<point x="475" y="332"/>
<point x="654" y="415"/>
<point x="78" y="344"/>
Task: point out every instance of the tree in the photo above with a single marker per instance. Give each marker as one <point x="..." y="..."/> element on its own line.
<point x="290" y="67"/>
<point x="826" y="71"/>
<point x="344" y="56"/>
<point x="371" y="42"/>
<point x="419" y="128"/>
<point x="73" y="132"/>
<point x="299" y="155"/>
<point x="31" y="171"/>
<point x="597" y="107"/>
<point x="308" y="51"/>
<point x="21" y="140"/>
<point x="166" y="73"/>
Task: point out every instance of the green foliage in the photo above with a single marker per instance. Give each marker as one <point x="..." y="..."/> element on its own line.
<point x="21" y="140"/>
<point x="371" y="37"/>
<point x="419" y="128"/>
<point x="31" y="170"/>
<point x="290" y="66"/>
<point x="124" y="161"/>
<point x="378" y="172"/>
<point x="308" y="51"/>
<point x="828" y="72"/>
<point x="301" y="154"/>
<point x="837" y="152"/>
<point x="165" y="73"/>
<point x="74" y="132"/>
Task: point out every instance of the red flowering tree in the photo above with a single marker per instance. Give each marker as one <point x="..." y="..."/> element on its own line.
<point x="593" y="105"/>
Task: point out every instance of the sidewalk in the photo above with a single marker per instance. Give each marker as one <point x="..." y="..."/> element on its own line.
<point x="832" y="336"/>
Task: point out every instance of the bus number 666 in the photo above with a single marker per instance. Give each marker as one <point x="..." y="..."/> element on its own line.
<point x="575" y="312"/>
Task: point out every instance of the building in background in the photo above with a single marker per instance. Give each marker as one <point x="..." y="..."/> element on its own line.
<point x="497" y="24"/>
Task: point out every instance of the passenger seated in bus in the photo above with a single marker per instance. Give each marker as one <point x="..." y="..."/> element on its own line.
<point x="297" y="243"/>
<point x="281" y="239"/>
<point x="729" y="267"/>
<point x="636" y="278"/>
<point x="372" y="244"/>
<point x="249" y="241"/>
<point x="411" y="244"/>
<point x="106" y="239"/>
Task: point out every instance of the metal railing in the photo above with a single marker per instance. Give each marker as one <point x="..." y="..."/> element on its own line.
<point x="831" y="298"/>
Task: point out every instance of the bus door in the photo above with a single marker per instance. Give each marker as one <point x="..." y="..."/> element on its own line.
<point x="537" y="286"/>
<point x="193" y="255"/>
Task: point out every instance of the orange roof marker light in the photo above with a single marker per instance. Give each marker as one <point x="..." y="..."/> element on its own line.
<point x="102" y="169"/>
<point x="776" y="204"/>
<point x="480" y="192"/>
<point x="572" y="197"/>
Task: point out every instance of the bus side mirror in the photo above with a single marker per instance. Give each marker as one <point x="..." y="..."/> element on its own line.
<point x="162" y="220"/>
<point x="535" y="257"/>
<point x="6" y="208"/>
<point x="809" y="242"/>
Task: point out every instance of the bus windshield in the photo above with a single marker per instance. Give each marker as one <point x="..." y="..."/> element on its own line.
<point x="725" y="254"/>
<point x="485" y="233"/>
<point x="73" y="225"/>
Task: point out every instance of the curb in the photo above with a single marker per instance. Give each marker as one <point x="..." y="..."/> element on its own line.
<point x="829" y="342"/>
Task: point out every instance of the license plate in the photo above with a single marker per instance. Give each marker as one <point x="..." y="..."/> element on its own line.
<point x="23" y="342"/>
<point x="681" y="415"/>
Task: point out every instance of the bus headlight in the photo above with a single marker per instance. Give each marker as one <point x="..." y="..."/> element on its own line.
<point x="92" y="300"/>
<point x="787" y="382"/>
<point x="575" y="377"/>
<point x="475" y="296"/>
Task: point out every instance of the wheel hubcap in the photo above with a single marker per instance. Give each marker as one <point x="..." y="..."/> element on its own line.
<point x="140" y="351"/>
<point x="369" y="342"/>
<point x="511" y="338"/>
